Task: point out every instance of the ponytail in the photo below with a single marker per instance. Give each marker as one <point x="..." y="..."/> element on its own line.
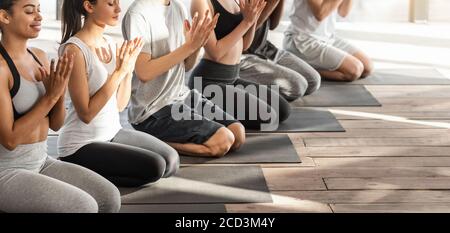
<point x="72" y="14"/>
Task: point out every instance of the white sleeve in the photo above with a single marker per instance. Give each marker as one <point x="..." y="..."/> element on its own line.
<point x="134" y="25"/>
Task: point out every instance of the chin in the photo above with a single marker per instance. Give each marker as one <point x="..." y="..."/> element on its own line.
<point x="113" y="23"/>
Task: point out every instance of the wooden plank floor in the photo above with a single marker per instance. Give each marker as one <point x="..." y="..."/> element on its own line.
<point x="395" y="158"/>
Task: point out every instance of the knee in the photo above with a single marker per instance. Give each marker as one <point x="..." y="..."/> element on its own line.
<point x="109" y="200"/>
<point x="368" y="69"/>
<point x="172" y="162"/>
<point x="314" y="82"/>
<point x="238" y="131"/>
<point x="297" y="87"/>
<point x="354" y="71"/>
<point x="222" y="142"/>
<point x="83" y="203"/>
<point x="152" y="170"/>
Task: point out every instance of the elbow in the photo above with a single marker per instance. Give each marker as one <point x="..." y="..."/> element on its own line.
<point x="320" y="16"/>
<point x="246" y="47"/>
<point x="10" y="144"/>
<point x="144" y="78"/>
<point x="216" y="56"/>
<point x="85" y="118"/>
<point x="56" y="128"/>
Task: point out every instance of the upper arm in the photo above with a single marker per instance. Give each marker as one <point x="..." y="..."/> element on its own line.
<point x="78" y="83"/>
<point x="315" y="5"/>
<point x="134" y="25"/>
<point x="6" y="110"/>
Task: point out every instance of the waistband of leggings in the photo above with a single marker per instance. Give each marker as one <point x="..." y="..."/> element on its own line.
<point x="212" y="70"/>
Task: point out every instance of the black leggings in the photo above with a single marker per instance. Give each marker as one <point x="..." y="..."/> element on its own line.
<point x="234" y="89"/>
<point x="131" y="159"/>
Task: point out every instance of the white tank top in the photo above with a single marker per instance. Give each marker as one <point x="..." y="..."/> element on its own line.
<point x="303" y="22"/>
<point x="75" y="133"/>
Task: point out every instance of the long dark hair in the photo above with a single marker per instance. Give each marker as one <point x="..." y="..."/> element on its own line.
<point x="72" y="14"/>
<point x="7" y="4"/>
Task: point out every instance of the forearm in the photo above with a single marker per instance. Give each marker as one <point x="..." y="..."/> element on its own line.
<point x="248" y="38"/>
<point x="150" y="69"/>
<point x="124" y="93"/>
<point x="57" y="115"/>
<point x="98" y="101"/>
<point x="267" y="12"/>
<point x="30" y="121"/>
<point x="190" y="62"/>
<point x="276" y="16"/>
<point x="323" y="8"/>
<point x="345" y="8"/>
<point x="221" y="47"/>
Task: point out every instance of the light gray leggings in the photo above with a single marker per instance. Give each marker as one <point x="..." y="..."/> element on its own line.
<point x="295" y="77"/>
<point x="58" y="188"/>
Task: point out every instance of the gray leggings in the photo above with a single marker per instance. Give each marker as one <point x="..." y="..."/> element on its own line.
<point x="131" y="159"/>
<point x="59" y="187"/>
<point x="294" y="76"/>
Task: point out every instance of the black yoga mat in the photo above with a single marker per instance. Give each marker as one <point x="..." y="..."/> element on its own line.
<point x="174" y="208"/>
<point x="414" y="76"/>
<point x="257" y="149"/>
<point x="308" y="120"/>
<point x="339" y="96"/>
<point x="207" y="185"/>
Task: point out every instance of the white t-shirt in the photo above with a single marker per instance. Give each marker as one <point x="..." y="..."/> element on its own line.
<point x="104" y="127"/>
<point x="163" y="32"/>
<point x="303" y="22"/>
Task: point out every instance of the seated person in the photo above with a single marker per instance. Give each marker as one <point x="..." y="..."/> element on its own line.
<point x="311" y="36"/>
<point x="159" y="88"/>
<point x="258" y="107"/>
<point x="265" y="64"/>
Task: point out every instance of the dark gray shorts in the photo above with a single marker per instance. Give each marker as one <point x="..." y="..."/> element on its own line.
<point x="197" y="129"/>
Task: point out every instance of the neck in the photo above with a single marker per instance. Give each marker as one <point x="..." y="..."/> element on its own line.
<point x="93" y="31"/>
<point x="165" y="2"/>
<point x="14" y="45"/>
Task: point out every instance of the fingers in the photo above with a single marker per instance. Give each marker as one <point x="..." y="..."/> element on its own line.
<point x="52" y="68"/>
<point x="262" y="4"/>
<point x="187" y="26"/>
<point x="213" y="23"/>
<point x="43" y="75"/>
<point x="62" y="63"/>
<point x="194" y="22"/>
<point x="242" y="4"/>
<point x="69" y="67"/>
<point x="123" y="49"/>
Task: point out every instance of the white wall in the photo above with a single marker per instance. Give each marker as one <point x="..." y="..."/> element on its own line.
<point x="365" y="10"/>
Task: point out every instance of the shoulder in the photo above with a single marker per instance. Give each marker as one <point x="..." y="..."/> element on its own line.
<point x="5" y="74"/>
<point x="40" y="54"/>
<point x="180" y="7"/>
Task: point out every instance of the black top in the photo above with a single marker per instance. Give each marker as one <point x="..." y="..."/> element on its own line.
<point x="15" y="74"/>
<point x="227" y="21"/>
<point x="261" y="46"/>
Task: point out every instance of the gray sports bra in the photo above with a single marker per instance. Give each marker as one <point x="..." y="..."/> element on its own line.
<point x="24" y="93"/>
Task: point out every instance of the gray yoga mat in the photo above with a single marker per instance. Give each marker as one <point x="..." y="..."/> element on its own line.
<point x="339" y="96"/>
<point x="174" y="208"/>
<point x="308" y="120"/>
<point x="204" y="185"/>
<point x="423" y="76"/>
<point x="257" y="149"/>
